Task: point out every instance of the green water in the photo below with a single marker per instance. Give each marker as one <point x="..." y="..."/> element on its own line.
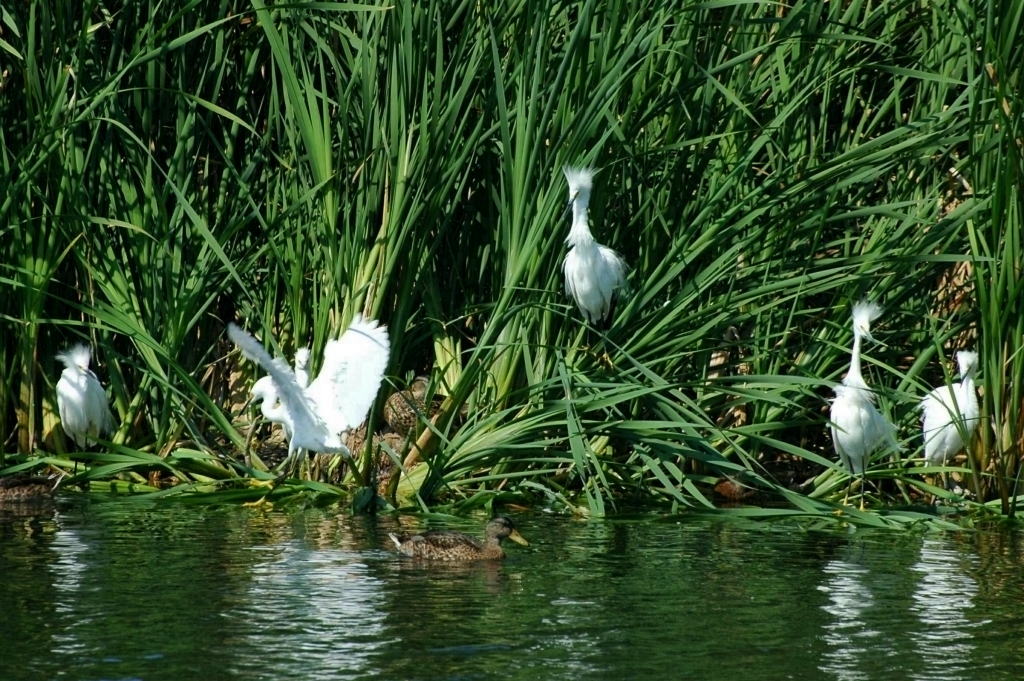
<point x="115" y="591"/>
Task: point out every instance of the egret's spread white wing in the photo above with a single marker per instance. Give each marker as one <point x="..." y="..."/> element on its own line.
<point x="294" y="400"/>
<point x="352" y="371"/>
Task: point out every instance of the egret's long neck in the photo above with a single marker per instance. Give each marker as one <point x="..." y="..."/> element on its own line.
<point x="855" y="358"/>
<point x="579" y="233"/>
<point x="269" y="406"/>
<point x="269" y="410"/>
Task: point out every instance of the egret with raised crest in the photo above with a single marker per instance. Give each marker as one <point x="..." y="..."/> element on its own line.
<point x="858" y="428"/>
<point x="594" y="274"/>
<point x="81" y="402"/>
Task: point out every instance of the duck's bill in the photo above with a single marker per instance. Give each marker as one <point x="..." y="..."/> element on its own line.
<point x="518" y="538"/>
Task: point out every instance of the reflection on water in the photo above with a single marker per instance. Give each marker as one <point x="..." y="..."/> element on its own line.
<point x="847" y="633"/>
<point x="119" y="591"/>
<point x="326" y="601"/>
<point x="944" y="594"/>
<point x="869" y="586"/>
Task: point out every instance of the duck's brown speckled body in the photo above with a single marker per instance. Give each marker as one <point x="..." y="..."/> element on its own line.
<point x="22" y="489"/>
<point x="403" y="409"/>
<point x="456" y="546"/>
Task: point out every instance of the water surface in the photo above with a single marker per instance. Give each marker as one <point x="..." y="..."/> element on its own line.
<point x="122" y="591"/>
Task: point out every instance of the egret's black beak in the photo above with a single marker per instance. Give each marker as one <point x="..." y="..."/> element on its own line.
<point x="568" y="208"/>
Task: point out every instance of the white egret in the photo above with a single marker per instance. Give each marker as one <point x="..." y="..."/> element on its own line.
<point x="950" y="413"/>
<point x="858" y="428"/>
<point x="316" y="417"/>
<point x="81" y="401"/>
<point x="593" y="273"/>
<point x="270" y="408"/>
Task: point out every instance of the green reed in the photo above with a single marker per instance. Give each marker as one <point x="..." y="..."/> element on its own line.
<point x="761" y="167"/>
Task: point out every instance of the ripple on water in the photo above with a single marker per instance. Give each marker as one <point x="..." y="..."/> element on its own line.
<point x="172" y="592"/>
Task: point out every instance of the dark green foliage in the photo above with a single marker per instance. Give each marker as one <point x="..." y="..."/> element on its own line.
<point x="167" y="169"/>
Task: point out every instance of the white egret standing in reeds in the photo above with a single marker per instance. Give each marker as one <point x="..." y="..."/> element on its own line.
<point x="316" y="417"/>
<point x="593" y="273"/>
<point x="949" y="413"/>
<point x="81" y="401"/>
<point x="858" y="428"/>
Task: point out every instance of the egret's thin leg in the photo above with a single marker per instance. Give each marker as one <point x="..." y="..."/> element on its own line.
<point x="863" y="486"/>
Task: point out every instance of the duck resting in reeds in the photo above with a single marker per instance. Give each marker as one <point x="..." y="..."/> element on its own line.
<point x="24" y="489"/>
<point x="456" y="546"/>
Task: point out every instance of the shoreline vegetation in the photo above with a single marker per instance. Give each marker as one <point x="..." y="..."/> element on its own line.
<point x="761" y="167"/>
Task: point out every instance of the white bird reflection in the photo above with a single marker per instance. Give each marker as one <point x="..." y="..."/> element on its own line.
<point x="885" y="614"/>
<point x="68" y="576"/>
<point x="945" y="593"/>
<point x="848" y="636"/>
<point x="308" y="608"/>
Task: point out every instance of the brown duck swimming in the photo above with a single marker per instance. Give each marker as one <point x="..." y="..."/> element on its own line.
<point x="453" y="546"/>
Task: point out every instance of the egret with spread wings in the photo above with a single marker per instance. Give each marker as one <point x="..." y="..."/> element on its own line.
<point x="316" y="417"/>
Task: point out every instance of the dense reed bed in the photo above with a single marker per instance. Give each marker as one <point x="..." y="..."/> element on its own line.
<point x="761" y="166"/>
